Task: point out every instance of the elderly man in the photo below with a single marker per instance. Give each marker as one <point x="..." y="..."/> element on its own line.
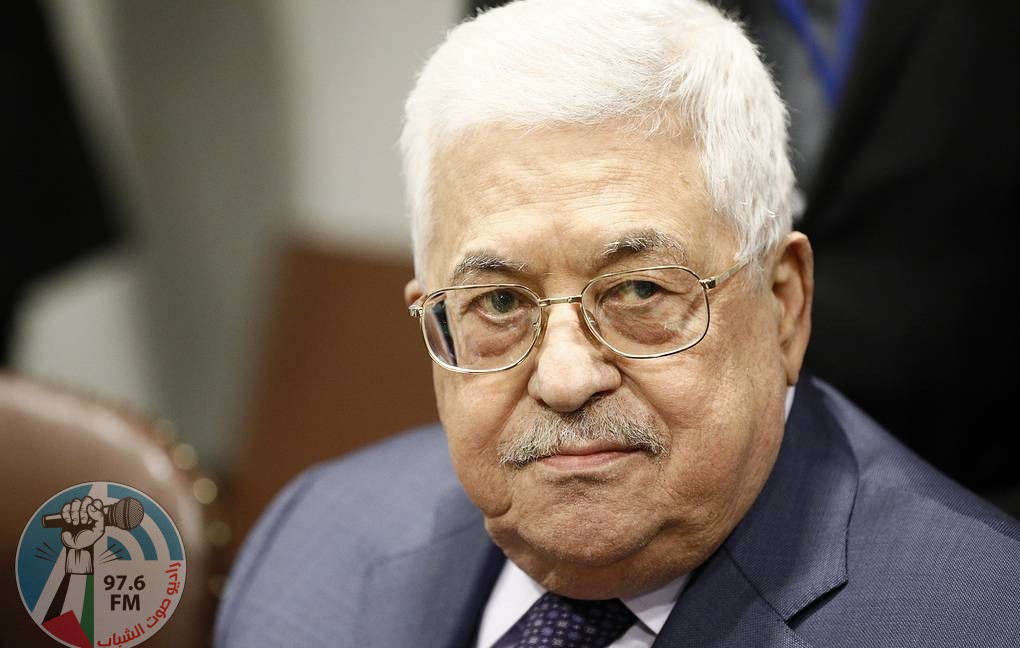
<point x="617" y="311"/>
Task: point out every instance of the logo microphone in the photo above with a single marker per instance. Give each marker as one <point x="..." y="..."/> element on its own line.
<point x="126" y="514"/>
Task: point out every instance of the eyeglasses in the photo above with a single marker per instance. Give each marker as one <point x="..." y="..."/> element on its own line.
<point x="643" y="313"/>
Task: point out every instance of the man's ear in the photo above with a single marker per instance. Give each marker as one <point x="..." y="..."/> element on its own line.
<point x="793" y="287"/>
<point x="412" y="291"/>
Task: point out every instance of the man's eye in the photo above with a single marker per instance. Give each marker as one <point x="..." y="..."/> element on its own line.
<point x="633" y="291"/>
<point x="500" y="301"/>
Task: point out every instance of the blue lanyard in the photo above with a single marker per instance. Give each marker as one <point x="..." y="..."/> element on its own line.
<point x="832" y="71"/>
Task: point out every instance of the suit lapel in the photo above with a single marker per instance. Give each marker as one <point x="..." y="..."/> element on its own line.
<point x="720" y="608"/>
<point x="438" y="589"/>
<point x="787" y="552"/>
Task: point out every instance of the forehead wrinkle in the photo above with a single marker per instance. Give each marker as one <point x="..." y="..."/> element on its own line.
<point x="512" y="197"/>
<point x="515" y="171"/>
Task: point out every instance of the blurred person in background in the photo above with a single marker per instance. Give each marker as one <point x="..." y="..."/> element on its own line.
<point x="618" y="312"/>
<point x="58" y="210"/>
<point x="908" y="171"/>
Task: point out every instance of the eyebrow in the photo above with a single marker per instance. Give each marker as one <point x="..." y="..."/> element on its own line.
<point x="637" y="243"/>
<point x="642" y="243"/>
<point x="482" y="262"/>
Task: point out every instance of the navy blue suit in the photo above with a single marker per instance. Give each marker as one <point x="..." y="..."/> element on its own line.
<point x="854" y="541"/>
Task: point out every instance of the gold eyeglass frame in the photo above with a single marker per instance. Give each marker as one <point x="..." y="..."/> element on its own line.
<point x="417" y="310"/>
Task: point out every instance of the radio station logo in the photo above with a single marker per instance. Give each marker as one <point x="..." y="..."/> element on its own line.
<point x="100" y="564"/>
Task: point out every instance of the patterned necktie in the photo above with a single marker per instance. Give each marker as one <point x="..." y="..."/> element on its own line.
<point x="563" y="622"/>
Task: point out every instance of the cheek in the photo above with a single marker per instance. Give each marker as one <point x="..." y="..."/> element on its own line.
<point x="474" y="410"/>
<point x="680" y="389"/>
<point x="714" y="399"/>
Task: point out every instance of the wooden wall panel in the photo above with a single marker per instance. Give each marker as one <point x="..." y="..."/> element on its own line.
<point x="343" y="365"/>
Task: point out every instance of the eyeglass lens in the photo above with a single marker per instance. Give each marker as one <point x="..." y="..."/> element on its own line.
<point x="648" y="312"/>
<point x="481" y="328"/>
<point x="641" y="313"/>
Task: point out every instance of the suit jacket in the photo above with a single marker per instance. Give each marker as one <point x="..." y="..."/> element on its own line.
<point x="853" y="541"/>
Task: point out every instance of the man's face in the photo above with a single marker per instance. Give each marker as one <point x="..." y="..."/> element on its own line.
<point x="593" y="521"/>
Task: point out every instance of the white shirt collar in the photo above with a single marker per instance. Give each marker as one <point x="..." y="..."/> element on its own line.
<point x="515" y="592"/>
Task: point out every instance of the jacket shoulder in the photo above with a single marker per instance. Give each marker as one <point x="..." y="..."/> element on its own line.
<point x="324" y="530"/>
<point x="890" y="471"/>
<point x="925" y="557"/>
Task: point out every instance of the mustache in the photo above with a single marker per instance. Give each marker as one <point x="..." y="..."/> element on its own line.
<point x="554" y="430"/>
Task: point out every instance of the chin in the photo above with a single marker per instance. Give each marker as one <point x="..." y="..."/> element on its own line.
<point x="585" y="555"/>
<point x="574" y="552"/>
<point x="587" y="570"/>
<point x="579" y="533"/>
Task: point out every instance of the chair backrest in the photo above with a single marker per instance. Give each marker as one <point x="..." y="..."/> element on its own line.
<point x="52" y="438"/>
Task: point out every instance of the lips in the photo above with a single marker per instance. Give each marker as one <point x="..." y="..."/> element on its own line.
<point x="590" y="448"/>
<point x="586" y="456"/>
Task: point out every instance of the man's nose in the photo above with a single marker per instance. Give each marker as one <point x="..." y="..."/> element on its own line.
<point x="572" y="366"/>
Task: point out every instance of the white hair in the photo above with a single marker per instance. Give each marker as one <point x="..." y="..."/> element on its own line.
<point x="664" y="66"/>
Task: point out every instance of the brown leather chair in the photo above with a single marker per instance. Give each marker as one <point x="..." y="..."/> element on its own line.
<point x="52" y="438"/>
